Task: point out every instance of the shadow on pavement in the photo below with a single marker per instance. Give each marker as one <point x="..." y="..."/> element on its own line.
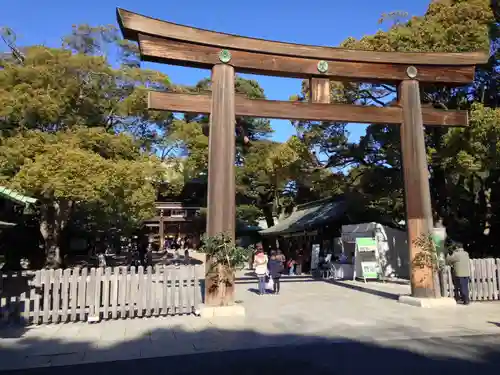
<point x="284" y="279"/>
<point x="256" y="291"/>
<point x="222" y="350"/>
<point x="343" y="284"/>
<point x="359" y="288"/>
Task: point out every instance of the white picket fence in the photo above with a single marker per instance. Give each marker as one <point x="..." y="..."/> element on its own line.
<point x="69" y="295"/>
<point x="484" y="282"/>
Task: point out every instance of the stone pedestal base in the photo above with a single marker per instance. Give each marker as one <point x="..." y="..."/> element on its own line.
<point x="93" y="319"/>
<point x="220" y="311"/>
<point x="428" y="302"/>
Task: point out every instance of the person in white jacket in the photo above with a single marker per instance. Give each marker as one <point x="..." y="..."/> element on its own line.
<point x="260" y="266"/>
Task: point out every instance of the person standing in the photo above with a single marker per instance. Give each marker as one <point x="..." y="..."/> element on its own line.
<point x="177" y="256"/>
<point x="299" y="262"/>
<point x="260" y="266"/>
<point x="291" y="267"/>
<point x="281" y="257"/>
<point x="459" y="261"/>
<point x="275" y="270"/>
<point x="251" y="259"/>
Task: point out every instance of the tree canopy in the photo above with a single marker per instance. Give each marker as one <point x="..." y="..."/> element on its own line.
<point x="76" y="134"/>
<point x="461" y="161"/>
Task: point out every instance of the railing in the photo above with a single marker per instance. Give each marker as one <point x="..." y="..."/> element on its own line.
<point x="484" y="284"/>
<point x="69" y="295"/>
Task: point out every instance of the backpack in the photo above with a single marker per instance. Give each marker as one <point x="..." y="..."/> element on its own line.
<point x="281" y="268"/>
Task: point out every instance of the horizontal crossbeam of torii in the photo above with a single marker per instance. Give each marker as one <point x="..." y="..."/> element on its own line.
<point x="226" y="54"/>
<point x="289" y="110"/>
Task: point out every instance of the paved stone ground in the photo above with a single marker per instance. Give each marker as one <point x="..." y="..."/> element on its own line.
<point x="436" y="356"/>
<point x="306" y="312"/>
<point x="310" y="306"/>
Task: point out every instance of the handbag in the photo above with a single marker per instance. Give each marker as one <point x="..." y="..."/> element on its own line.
<point x="270" y="283"/>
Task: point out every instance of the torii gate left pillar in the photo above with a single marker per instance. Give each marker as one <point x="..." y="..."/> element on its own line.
<point x="221" y="207"/>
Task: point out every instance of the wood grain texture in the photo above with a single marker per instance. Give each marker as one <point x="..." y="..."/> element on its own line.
<point x="319" y="90"/>
<point x="100" y="289"/>
<point x="221" y="157"/>
<point x="200" y="56"/>
<point x="288" y="110"/>
<point x="133" y="24"/>
<point x="416" y="182"/>
<point x="221" y="203"/>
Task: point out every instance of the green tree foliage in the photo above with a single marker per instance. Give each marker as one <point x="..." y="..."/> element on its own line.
<point x="253" y="128"/>
<point x="225" y="258"/>
<point x="84" y="167"/>
<point x="275" y="176"/>
<point x="77" y="134"/>
<point x="462" y="162"/>
<point x="189" y="135"/>
<point x="263" y="166"/>
<point x="448" y="26"/>
<point x="57" y="89"/>
<point x="263" y="175"/>
<point x="249" y="213"/>
<point x="271" y="176"/>
<point x="192" y="143"/>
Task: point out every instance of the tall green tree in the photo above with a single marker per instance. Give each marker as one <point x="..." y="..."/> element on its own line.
<point x="447" y="26"/>
<point x="76" y="131"/>
<point x="80" y="167"/>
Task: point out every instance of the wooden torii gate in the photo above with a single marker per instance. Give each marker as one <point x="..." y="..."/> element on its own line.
<point x="225" y="54"/>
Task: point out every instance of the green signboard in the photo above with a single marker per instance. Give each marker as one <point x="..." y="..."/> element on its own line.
<point x="366" y="244"/>
<point x="366" y="252"/>
<point x="370" y="270"/>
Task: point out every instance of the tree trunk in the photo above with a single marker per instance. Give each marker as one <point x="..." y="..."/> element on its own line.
<point x="268" y="215"/>
<point x="54" y="217"/>
<point x="439" y="193"/>
<point x="11" y="250"/>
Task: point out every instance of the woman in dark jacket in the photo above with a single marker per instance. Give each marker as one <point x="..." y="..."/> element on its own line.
<point x="275" y="267"/>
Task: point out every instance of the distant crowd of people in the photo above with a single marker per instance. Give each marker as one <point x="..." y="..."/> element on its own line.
<point x="178" y="244"/>
<point x="269" y="269"/>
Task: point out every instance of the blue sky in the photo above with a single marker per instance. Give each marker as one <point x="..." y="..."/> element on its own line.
<point x="319" y="22"/>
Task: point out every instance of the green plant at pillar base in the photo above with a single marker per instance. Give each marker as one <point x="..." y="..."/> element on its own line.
<point x="428" y="257"/>
<point x="224" y="257"/>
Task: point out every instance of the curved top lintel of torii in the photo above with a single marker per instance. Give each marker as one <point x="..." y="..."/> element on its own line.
<point x="133" y="24"/>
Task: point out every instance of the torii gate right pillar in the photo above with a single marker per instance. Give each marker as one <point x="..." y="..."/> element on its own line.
<point x="416" y="183"/>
